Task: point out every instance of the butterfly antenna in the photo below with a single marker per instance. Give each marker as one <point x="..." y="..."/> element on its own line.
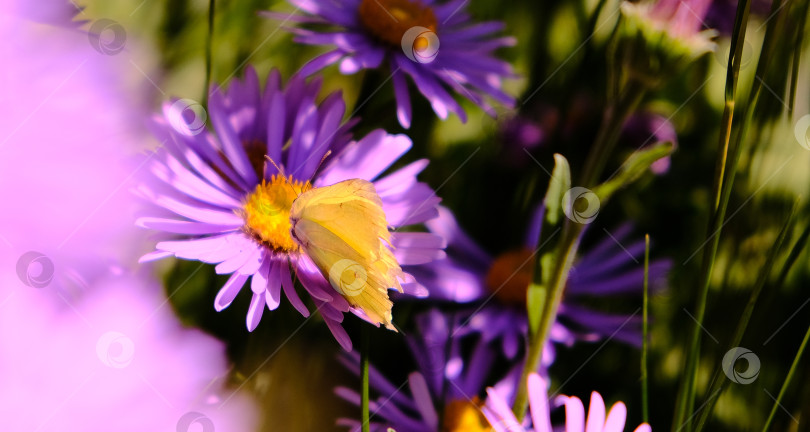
<point x="283" y="174"/>
<point x="320" y="164"/>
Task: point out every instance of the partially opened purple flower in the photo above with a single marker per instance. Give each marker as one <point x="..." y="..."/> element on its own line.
<point x="435" y="43"/>
<point x="231" y="207"/>
<point x="500" y="416"/>
<point x="496" y="287"/>
<point x="447" y="387"/>
<point x="645" y="129"/>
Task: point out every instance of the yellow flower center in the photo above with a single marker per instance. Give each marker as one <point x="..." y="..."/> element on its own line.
<point x="388" y="20"/>
<point x="464" y="415"/>
<point x="510" y="276"/>
<point x="267" y="211"/>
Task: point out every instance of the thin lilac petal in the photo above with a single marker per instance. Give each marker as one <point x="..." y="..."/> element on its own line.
<point x="274" y="278"/>
<point x="255" y="310"/>
<point x="574" y="415"/>
<point x="616" y="418"/>
<point x="339" y="333"/>
<point x="231" y="145"/>
<point x="228" y="291"/>
<point x="275" y="127"/>
<point x="320" y="62"/>
<point x="424" y="402"/>
<point x="499" y="414"/>
<point x="368" y="158"/>
<point x="417" y="248"/>
<point x="200" y="248"/>
<point x="446" y="226"/>
<point x="154" y="256"/>
<point x="289" y="291"/>
<point x="596" y="414"/>
<point x="199" y="212"/>
<point x="401" y="180"/>
<point x="402" y="97"/>
<point x="247" y="263"/>
<point x="182" y="227"/>
<point x="644" y="427"/>
<point x="258" y="283"/>
<point x="538" y="402"/>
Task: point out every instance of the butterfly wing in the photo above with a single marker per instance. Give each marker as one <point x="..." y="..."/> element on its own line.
<point x="343" y="229"/>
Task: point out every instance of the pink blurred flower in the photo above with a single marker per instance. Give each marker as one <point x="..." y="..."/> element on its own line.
<point x="68" y="131"/>
<point x="117" y="360"/>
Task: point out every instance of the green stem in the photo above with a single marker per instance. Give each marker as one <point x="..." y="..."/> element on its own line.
<point x="364" y="365"/>
<point x="567" y="250"/>
<point x="209" y="39"/>
<point x="607" y="137"/>
<point x="644" y="379"/>
<point x="788" y="378"/>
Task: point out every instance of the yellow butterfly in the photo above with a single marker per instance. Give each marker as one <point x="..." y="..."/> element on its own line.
<point x="343" y="229"/>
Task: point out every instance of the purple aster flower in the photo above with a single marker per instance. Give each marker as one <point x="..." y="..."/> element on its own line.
<point x="435" y="43"/>
<point x="500" y="416"/>
<point x="231" y="208"/>
<point x="445" y="392"/>
<point x="496" y="287"/>
<point x="115" y="360"/>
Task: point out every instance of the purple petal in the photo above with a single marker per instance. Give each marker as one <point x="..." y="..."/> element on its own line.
<point x="228" y="291"/>
<point x="255" y="310"/>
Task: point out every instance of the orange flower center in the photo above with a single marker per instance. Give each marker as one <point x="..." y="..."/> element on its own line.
<point x="267" y="211"/>
<point x="510" y="276"/>
<point x="464" y="415"/>
<point x="388" y="20"/>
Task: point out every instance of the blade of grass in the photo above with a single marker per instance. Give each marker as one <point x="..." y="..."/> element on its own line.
<point x="718" y="385"/>
<point x="795" y="252"/>
<point x="788" y="378"/>
<point x="644" y="380"/>
<point x="686" y="397"/>
<point x="796" y="60"/>
<point x="209" y="40"/>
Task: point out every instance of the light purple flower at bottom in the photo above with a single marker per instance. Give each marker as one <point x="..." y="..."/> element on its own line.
<point x="500" y="416"/>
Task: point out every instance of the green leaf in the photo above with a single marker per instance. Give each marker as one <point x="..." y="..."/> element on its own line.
<point x="637" y="164"/>
<point x="557" y="187"/>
